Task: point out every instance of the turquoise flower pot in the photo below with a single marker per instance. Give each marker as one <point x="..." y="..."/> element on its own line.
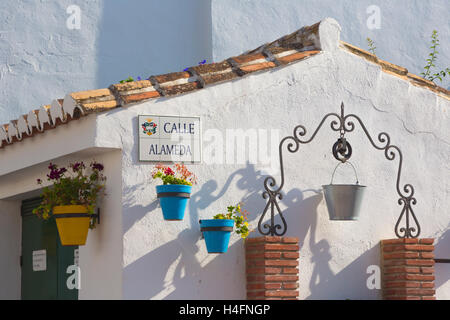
<point x="217" y="234"/>
<point x="173" y="199"/>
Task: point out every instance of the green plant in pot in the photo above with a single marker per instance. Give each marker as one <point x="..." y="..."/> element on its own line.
<point x="217" y="231"/>
<point x="175" y="191"/>
<point x="72" y="199"/>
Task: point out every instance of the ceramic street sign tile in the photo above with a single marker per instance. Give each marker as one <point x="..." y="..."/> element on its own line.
<point x="169" y="138"/>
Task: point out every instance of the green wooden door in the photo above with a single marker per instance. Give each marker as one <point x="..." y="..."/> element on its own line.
<point x="47" y="278"/>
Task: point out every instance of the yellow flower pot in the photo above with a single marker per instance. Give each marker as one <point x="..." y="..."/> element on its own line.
<point x="73" y="224"/>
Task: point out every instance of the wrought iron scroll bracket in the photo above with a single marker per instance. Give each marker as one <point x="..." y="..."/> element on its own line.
<point x="342" y="151"/>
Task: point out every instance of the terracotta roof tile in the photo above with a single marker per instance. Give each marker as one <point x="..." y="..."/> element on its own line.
<point x="250" y="63"/>
<point x="217" y="67"/>
<point x="130" y="86"/>
<point x="244" y="60"/>
<point x="277" y="50"/>
<point x="360" y="52"/>
<point x="392" y="67"/>
<point x="304" y="39"/>
<point x="420" y="81"/>
<point x="100" y="106"/>
<point x="93" y="100"/>
<point x="175" y="83"/>
<point x="181" y="88"/>
<point x="218" y="77"/>
<point x="130" y="92"/>
<point x="293" y="47"/>
<point x="285" y="59"/>
<point x="257" y="67"/>
<point x="139" y="97"/>
<point x="398" y="71"/>
<point x="174" y="76"/>
<point x="90" y="94"/>
<point x="212" y="73"/>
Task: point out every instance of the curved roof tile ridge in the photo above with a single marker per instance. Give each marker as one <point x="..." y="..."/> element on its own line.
<point x="299" y="45"/>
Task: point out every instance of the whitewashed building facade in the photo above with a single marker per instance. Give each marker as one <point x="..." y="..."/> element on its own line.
<point x="246" y="105"/>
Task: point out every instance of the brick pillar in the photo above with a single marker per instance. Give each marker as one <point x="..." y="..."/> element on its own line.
<point x="408" y="269"/>
<point x="272" y="268"/>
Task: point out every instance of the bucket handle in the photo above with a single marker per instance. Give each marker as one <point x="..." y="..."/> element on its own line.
<point x="354" y="170"/>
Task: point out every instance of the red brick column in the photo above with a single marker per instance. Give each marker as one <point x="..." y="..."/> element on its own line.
<point x="272" y="268"/>
<point x="408" y="269"/>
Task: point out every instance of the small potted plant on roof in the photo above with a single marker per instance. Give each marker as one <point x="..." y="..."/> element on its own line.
<point x="175" y="191"/>
<point x="72" y="200"/>
<point x="217" y="231"/>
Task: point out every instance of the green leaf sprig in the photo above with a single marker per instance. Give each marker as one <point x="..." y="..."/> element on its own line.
<point x="240" y="218"/>
<point x="432" y="57"/>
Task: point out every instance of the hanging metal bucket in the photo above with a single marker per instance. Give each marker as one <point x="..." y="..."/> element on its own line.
<point x="343" y="200"/>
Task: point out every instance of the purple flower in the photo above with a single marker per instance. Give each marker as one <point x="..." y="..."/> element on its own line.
<point x="39" y="181"/>
<point x="139" y="78"/>
<point x="97" y="166"/>
<point x="53" y="175"/>
<point x="201" y="62"/>
<point x="56" y="173"/>
<point x="77" y="166"/>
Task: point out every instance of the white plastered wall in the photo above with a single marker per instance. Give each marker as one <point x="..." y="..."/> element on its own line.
<point x="168" y="260"/>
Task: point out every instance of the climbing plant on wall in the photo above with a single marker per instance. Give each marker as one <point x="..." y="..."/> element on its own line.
<point x="432" y="57"/>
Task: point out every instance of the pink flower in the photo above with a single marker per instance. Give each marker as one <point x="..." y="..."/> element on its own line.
<point x="169" y="171"/>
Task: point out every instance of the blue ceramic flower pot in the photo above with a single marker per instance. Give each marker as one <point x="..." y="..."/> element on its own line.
<point x="217" y="234"/>
<point x="173" y="199"/>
